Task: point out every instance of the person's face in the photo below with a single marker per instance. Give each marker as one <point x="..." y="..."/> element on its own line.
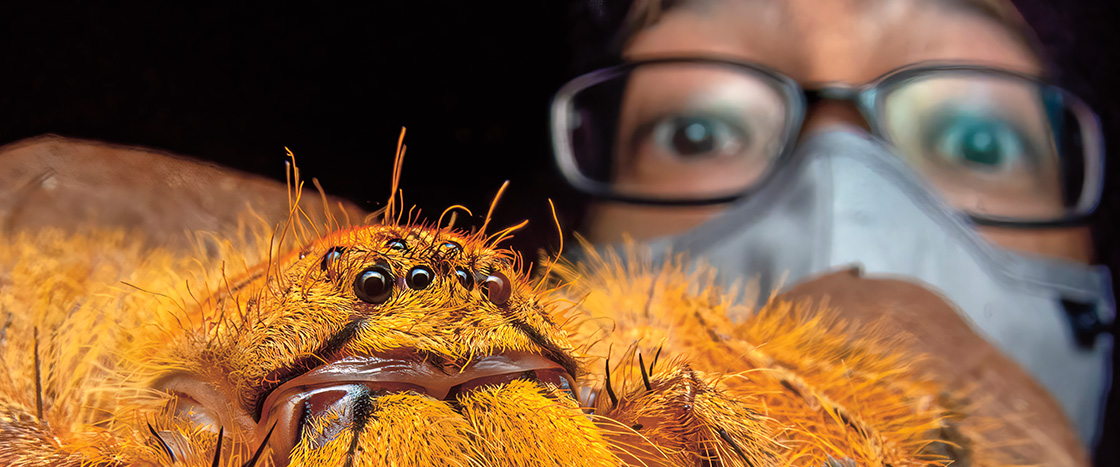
<point x="846" y="41"/>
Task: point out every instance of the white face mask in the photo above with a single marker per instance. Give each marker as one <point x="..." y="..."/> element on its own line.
<point x="846" y="199"/>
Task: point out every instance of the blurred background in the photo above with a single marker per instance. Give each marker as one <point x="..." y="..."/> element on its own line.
<point x="471" y="81"/>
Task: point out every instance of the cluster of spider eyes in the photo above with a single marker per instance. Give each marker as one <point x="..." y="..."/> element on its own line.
<point x="375" y="284"/>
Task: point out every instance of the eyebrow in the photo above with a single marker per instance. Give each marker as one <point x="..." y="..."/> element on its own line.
<point x="992" y="9"/>
<point x="1003" y="12"/>
<point x="1000" y="11"/>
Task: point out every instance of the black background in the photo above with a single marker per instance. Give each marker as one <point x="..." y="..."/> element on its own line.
<point x="235" y="84"/>
<point x="471" y="80"/>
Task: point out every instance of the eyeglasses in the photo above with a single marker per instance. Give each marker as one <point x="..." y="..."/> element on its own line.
<point x="1000" y="146"/>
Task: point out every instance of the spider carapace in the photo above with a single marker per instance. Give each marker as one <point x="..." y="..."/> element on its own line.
<point x="403" y="343"/>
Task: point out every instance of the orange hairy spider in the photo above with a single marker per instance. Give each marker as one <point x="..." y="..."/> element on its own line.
<point x="410" y="344"/>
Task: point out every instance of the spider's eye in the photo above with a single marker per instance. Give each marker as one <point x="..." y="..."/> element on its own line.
<point x="497" y="288"/>
<point x="449" y="248"/>
<point x="465" y="278"/>
<point x="397" y="245"/>
<point x="374" y="285"/>
<point x="419" y="278"/>
<point x="329" y="259"/>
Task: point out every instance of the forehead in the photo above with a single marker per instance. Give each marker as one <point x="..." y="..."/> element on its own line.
<point x="836" y="40"/>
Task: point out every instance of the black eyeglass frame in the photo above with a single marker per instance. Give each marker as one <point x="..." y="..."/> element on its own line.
<point x="867" y="98"/>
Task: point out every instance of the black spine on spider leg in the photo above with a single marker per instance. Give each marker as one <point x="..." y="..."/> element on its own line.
<point x="645" y="376"/>
<point x="162" y="443"/>
<point x="610" y="391"/>
<point x="654" y="362"/>
<point x="727" y="438"/>
<point x="38" y="378"/>
<point x="257" y="455"/>
<point x="218" y="447"/>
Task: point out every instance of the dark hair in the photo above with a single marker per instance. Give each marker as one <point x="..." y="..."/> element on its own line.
<point x="597" y="33"/>
<point x="1083" y="48"/>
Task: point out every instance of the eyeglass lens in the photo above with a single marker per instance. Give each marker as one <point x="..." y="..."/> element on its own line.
<point x="993" y="144"/>
<point x="669" y="131"/>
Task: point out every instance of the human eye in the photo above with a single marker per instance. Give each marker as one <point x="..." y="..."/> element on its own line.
<point x="694" y="132"/>
<point x="695" y="137"/>
<point x="980" y="144"/>
<point x="694" y="152"/>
